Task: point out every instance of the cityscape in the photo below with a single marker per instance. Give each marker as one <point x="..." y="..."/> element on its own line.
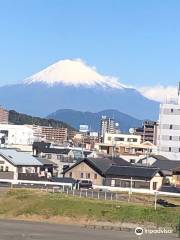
<point x="89" y="120"/>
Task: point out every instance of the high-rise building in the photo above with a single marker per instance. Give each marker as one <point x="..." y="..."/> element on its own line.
<point x="169" y="129"/>
<point x="4" y="115"/>
<point x="107" y="126"/>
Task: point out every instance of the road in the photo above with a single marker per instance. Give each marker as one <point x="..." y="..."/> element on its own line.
<point x="20" y="230"/>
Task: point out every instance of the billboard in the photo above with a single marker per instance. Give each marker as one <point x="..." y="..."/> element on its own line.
<point x="84" y="128"/>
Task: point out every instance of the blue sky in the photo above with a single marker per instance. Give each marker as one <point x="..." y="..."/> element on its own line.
<point x="137" y="41"/>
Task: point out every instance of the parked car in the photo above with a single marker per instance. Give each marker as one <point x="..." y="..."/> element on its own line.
<point x="84" y="183"/>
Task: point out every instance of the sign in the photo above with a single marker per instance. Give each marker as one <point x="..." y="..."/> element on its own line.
<point x="84" y="128"/>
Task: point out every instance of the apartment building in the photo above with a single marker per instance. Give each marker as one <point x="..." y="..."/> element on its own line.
<point x="58" y="135"/>
<point x="4" y="115"/>
<point x="148" y="131"/>
<point x="107" y="126"/>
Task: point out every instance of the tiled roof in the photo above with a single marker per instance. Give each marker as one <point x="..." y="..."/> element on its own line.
<point x="131" y="171"/>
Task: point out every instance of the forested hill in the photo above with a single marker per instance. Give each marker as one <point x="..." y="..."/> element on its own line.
<point x="20" y="119"/>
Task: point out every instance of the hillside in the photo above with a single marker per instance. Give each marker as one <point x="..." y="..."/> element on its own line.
<point x="20" y="119"/>
<point x="76" y="118"/>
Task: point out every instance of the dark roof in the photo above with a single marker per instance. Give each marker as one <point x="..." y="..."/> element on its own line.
<point x="166" y="164"/>
<point x="131" y="171"/>
<point x="57" y="150"/>
<point x="101" y="165"/>
<point x="46" y="161"/>
<point x="171" y="189"/>
<point x="157" y="157"/>
<point x="41" y="145"/>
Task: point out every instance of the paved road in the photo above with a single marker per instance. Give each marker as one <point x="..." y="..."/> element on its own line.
<point x="19" y="230"/>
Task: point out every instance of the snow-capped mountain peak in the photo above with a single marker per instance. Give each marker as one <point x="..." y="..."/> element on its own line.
<point x="73" y="73"/>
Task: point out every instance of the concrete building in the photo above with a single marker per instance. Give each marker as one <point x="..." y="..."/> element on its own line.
<point x="4" y="115"/>
<point x="148" y="131"/>
<point x="16" y="134"/>
<point x="169" y="130"/>
<point x="58" y="135"/>
<point x="122" y="139"/>
<point x="107" y="126"/>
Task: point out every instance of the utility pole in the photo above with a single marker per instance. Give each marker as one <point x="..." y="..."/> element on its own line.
<point x="155" y="200"/>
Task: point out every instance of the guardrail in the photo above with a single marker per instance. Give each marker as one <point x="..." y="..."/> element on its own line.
<point x="45" y="183"/>
<point x="97" y="187"/>
<point x="135" y="190"/>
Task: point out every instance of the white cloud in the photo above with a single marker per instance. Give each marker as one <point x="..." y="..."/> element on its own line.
<point x="159" y="93"/>
<point x="73" y="72"/>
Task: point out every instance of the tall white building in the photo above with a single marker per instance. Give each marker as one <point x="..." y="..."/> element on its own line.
<point x="107" y="126"/>
<point x="169" y="130"/>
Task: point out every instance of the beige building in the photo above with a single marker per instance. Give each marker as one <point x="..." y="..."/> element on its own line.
<point x="4" y="115"/>
<point x="116" y="173"/>
<point x="55" y="134"/>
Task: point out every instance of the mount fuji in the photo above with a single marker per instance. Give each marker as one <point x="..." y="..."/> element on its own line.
<point x="72" y="84"/>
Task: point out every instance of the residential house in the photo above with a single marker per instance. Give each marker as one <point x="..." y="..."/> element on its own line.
<point x="18" y="165"/>
<point x="116" y="173"/>
<point x="166" y="165"/>
<point x="63" y="157"/>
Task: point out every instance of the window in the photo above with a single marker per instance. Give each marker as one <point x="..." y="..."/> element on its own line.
<point x="132" y="139"/>
<point x="7" y="169"/>
<point x="95" y="176"/>
<point x="170" y="149"/>
<point x="119" y="139"/>
<point x="2" y="169"/>
<point x="179" y="149"/>
<point x="70" y="174"/>
<point x="112" y="182"/>
<point x="81" y="175"/>
<point x="88" y="175"/>
<point x="154" y="185"/>
<point x="109" y="138"/>
<point x="48" y="156"/>
<point x="172" y="110"/>
<point x="170" y="137"/>
<point x="132" y="161"/>
<point x="170" y="126"/>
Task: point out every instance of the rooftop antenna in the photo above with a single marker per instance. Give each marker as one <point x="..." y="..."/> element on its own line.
<point x="179" y="93"/>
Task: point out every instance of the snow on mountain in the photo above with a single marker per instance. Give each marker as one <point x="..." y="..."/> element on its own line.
<point x="73" y="73"/>
<point x="72" y="84"/>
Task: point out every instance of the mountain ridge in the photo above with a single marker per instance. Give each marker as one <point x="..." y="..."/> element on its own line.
<point x="76" y="118"/>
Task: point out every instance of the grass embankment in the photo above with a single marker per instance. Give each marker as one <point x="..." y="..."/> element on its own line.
<point x="29" y="203"/>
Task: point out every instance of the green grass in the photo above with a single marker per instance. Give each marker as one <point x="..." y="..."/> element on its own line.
<point x="17" y="203"/>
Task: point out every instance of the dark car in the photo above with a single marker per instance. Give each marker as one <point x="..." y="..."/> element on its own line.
<point x="85" y="183"/>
